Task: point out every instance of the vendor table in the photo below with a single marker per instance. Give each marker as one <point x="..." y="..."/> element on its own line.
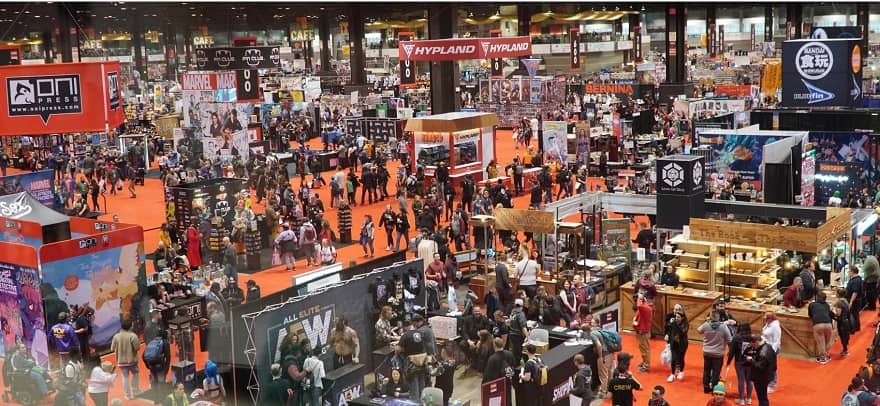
<point x="696" y="303"/>
<point x="561" y="371"/>
<point x="558" y="335"/>
<point x="195" y="307"/>
<point x="344" y="381"/>
<point x="368" y="401"/>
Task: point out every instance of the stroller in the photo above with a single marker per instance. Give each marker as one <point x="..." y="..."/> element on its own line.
<point x="19" y="386"/>
<point x="140" y="175"/>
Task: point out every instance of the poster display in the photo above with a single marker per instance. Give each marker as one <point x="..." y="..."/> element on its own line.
<point x="616" y="240"/>
<point x="21" y="307"/>
<point x="808" y="178"/>
<point x="555" y="141"/>
<point x="836" y="150"/>
<point x="60" y="98"/>
<point x="101" y="270"/>
<point x="221" y="128"/>
<point x="39" y="184"/>
<point x="822" y="73"/>
<point x="735" y="154"/>
<point x="582" y="139"/>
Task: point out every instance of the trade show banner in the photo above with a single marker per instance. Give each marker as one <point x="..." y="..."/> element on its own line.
<point x="39" y="184"/>
<point x="849" y="32"/>
<point x="555" y="141"/>
<point x="238" y="58"/>
<point x="735" y="154"/>
<point x="21" y="305"/>
<point x="407" y="67"/>
<point x="582" y="138"/>
<point x="497" y="65"/>
<point x="454" y="49"/>
<point x="102" y="270"/>
<point x="616" y="241"/>
<point x="574" y="49"/>
<point x="60" y="98"/>
<point x="822" y="73"/>
<point x="222" y="129"/>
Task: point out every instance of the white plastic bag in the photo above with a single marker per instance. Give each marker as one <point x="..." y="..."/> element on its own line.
<point x="666" y="355"/>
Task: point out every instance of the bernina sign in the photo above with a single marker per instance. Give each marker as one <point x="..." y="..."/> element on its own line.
<point x="609" y="89"/>
<point x="465" y="48"/>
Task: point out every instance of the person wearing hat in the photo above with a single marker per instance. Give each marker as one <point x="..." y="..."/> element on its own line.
<point x="415" y="352"/>
<point x="64" y="337"/>
<point x="518" y="329"/>
<point x="835" y="200"/>
<point x="285" y="243"/>
<point x="718" y="396"/>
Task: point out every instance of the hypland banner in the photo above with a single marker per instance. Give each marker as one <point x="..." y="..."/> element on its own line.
<point x="454" y="49"/>
<point x="39" y="184"/>
<point x="822" y="73"/>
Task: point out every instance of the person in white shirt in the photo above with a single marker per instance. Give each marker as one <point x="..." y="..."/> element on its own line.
<point x="452" y="296"/>
<point x="527" y="272"/>
<point x="328" y="252"/>
<point x="772" y="334"/>
<point x="314" y="367"/>
<point x="100" y="382"/>
<point x="835" y="201"/>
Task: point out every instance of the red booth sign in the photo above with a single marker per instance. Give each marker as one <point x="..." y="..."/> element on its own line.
<point x="208" y="81"/>
<point x="60" y="98"/>
<point x="454" y="49"/>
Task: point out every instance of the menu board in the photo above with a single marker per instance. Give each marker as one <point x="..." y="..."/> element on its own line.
<point x="380" y="130"/>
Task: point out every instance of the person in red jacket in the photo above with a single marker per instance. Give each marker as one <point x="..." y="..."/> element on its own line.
<point x="193" y="245"/>
<point x="792" y="295"/>
<point x="642" y="325"/>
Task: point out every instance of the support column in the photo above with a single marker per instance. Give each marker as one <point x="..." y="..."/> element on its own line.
<point x="862" y="13"/>
<point x="65" y="46"/>
<point x="324" y="33"/>
<point x="635" y="33"/>
<point x="443" y="23"/>
<point x="676" y="50"/>
<point x="356" y="46"/>
<point x="524" y="12"/>
<point x="711" y="31"/>
<point x="794" y="20"/>
<point x="48" y="47"/>
<point x="768" y="23"/>
<point x="170" y="35"/>
<point x="137" y="39"/>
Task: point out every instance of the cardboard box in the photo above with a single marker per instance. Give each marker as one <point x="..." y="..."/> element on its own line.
<point x="541" y="347"/>
<point x="444" y="327"/>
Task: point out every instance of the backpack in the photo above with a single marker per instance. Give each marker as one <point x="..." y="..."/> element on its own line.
<point x="610" y="341"/>
<point x="309" y="234"/>
<point x="153" y="353"/>
<point x="849" y="399"/>
<point x="543" y="372"/>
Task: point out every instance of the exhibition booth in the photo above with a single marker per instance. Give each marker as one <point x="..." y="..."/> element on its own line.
<point x="465" y="141"/>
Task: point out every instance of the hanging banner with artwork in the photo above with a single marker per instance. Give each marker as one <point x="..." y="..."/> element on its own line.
<point x="555" y="141"/>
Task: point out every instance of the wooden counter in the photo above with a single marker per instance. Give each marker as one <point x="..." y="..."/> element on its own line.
<point x="797" y="329"/>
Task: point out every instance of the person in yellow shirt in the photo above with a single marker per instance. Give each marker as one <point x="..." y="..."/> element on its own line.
<point x="492" y="170"/>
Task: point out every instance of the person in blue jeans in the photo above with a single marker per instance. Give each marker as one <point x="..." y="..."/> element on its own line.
<point x="738" y="346"/>
<point x="314" y="367"/>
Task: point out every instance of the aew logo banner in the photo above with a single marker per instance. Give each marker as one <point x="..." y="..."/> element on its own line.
<point x="44" y="96"/>
<point x="822" y="73"/>
<point x="238" y="58"/>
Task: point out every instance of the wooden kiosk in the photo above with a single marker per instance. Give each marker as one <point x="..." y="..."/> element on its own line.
<point x="465" y="141"/>
<point x="749" y="282"/>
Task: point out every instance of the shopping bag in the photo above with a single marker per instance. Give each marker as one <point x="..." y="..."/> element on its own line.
<point x="666" y="355"/>
<point x="276" y="259"/>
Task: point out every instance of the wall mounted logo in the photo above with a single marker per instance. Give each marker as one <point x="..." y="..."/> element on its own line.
<point x="814" y="60"/>
<point x="43" y="96"/>
<point x="113" y="90"/>
<point x="485" y="45"/>
<point x="817" y="95"/>
<point x="672" y="174"/>
<point x="275" y="56"/>
<point x="698" y="174"/>
<point x="201" y="58"/>
<point x="252" y="57"/>
<point x="407" y="49"/>
<point x="223" y="58"/>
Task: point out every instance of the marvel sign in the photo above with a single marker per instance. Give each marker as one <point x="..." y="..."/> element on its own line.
<point x="465" y="48"/>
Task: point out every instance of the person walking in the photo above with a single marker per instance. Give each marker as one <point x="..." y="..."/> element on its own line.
<point x="855" y="294"/>
<point x="622" y="385"/>
<point x="738" y="346"/>
<point x="100" y="382"/>
<point x="285" y="243"/>
<point x="367" y="236"/>
<point x="583" y="379"/>
<point x="762" y="360"/>
<point x="388" y="221"/>
<point x="676" y="335"/>
<point x="157" y="359"/>
<point x="126" y="344"/>
<point x="772" y="334"/>
<point x="716" y="337"/>
<point x="500" y="364"/>
<point x="820" y="315"/>
<point x="642" y="321"/>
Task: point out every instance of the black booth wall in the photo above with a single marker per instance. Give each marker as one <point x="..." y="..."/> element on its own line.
<point x="807" y="120"/>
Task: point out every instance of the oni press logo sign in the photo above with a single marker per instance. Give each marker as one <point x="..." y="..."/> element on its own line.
<point x="814" y="60"/>
<point x="43" y="96"/>
<point x="252" y="57"/>
<point x="201" y="58"/>
<point x="672" y="174"/>
<point x="223" y="58"/>
<point x="113" y="90"/>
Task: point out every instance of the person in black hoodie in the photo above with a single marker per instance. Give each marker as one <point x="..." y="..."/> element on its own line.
<point x="550" y="312"/>
<point x="677" y="336"/>
<point x="738" y="347"/>
<point x="820" y="315"/>
<point x="762" y="360"/>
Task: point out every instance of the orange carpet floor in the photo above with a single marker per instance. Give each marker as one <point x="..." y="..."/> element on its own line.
<point x="801" y="382"/>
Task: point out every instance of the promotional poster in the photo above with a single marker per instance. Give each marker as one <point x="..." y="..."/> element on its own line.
<point x="222" y="128"/>
<point x="822" y="73"/>
<point x="555" y="141"/>
<point x="39" y="184"/>
<point x="616" y="241"/>
<point x="582" y="136"/>
<point x="21" y="303"/>
<point x="735" y="154"/>
<point x="846" y="158"/>
<point x="101" y="270"/>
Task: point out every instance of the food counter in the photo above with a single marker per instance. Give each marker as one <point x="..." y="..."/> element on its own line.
<point x="797" y="329"/>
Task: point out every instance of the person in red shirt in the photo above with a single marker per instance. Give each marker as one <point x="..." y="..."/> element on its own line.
<point x="718" y="396"/>
<point x="792" y="295"/>
<point x="642" y="325"/>
<point x="436" y="271"/>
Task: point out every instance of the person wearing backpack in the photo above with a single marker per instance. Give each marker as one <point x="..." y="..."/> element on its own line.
<point x="308" y="237"/>
<point x="605" y="349"/>
<point x="126" y="344"/>
<point x="583" y="379"/>
<point x="500" y="364"/>
<point x="529" y="391"/>
<point x="71" y="384"/>
<point x="518" y="329"/>
<point x="157" y="358"/>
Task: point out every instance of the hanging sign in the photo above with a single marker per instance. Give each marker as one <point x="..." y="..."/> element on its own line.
<point x="247" y="85"/>
<point x="574" y="49"/>
<point x="236" y="58"/>
<point x="207" y="81"/>
<point x="822" y="73"/>
<point x="497" y="67"/>
<point x="407" y="67"/>
<point x="454" y="49"/>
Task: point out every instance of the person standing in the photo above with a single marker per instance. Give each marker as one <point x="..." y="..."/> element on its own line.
<point x="500" y="364"/>
<point x="738" y="347"/>
<point x="82" y="325"/>
<point x="583" y="379"/>
<point x="193" y="245"/>
<point x="820" y="315"/>
<point x="642" y="321"/>
<point x="677" y="337"/>
<point x="622" y="385"/>
<point x="762" y="359"/>
<point x="346" y="346"/>
<point x="855" y="294"/>
<point x="100" y="382"/>
<point x="285" y="243"/>
<point x="527" y="273"/>
<point x="772" y="334"/>
<point x="843" y="317"/>
<point x="808" y="282"/>
<point x="871" y="272"/>
<point x="279" y="391"/>
<point x="367" y="235"/>
<point x="63" y="335"/>
<point x="158" y="364"/>
<point x="528" y="391"/>
<point x="518" y="330"/>
<point x="502" y="283"/>
<point x="657" y="397"/>
<point x="415" y="351"/>
<point x="402" y="226"/>
<point x="126" y="345"/>
<point x="229" y="259"/>
<point x="716" y="337"/>
<point x="388" y="221"/>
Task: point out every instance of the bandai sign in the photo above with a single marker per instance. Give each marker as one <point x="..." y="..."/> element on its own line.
<point x="822" y="73"/>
